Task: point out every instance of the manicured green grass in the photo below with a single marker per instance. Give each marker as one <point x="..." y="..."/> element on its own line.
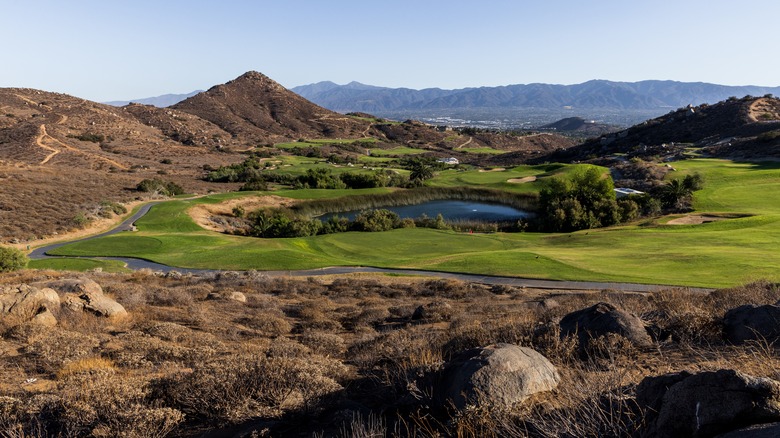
<point x="69" y="264"/>
<point x="323" y="141"/>
<point x="717" y="254"/>
<point x="396" y="151"/>
<point x="499" y="179"/>
<point x="483" y="150"/>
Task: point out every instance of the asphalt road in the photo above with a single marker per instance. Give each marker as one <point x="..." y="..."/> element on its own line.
<point x="134" y="263"/>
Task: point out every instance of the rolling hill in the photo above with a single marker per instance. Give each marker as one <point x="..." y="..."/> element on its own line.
<point x="735" y="128"/>
<point x="64" y="159"/>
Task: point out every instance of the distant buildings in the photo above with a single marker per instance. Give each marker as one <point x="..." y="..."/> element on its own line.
<point x="451" y="160"/>
<point x="622" y="192"/>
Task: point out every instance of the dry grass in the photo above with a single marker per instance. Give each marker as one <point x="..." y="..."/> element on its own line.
<point x="341" y="357"/>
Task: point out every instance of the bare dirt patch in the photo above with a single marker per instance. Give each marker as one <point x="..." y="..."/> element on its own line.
<point x="523" y="180"/>
<point x="203" y="214"/>
<point x="763" y="110"/>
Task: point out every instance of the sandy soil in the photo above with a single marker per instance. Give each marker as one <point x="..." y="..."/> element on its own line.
<point x="695" y="219"/>
<point x="524" y="180"/>
<point x="760" y="109"/>
<point x="202" y="213"/>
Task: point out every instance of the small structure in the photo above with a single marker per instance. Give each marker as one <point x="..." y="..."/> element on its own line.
<point x="622" y="192"/>
<point x="451" y="160"/>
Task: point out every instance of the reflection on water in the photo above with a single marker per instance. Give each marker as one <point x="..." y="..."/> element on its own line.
<point x="451" y="211"/>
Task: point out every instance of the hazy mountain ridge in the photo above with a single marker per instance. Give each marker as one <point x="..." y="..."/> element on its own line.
<point x="592" y="94"/>
<point x="163" y="101"/>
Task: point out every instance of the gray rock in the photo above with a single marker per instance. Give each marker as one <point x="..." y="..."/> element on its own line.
<point x="770" y="430"/>
<point x="602" y="319"/>
<point x="707" y="403"/>
<point x="750" y="322"/>
<point x="499" y="375"/>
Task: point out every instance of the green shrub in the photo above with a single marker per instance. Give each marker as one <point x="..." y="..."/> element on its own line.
<point x="155" y="185"/>
<point x="11" y="259"/>
<point x="89" y="136"/>
<point x="586" y="200"/>
<point x="376" y="220"/>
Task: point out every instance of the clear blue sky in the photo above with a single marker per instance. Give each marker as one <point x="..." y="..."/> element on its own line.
<point x="112" y="50"/>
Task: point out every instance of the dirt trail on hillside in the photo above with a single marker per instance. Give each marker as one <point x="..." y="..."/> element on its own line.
<point x="39" y="141"/>
<point x="468" y="142"/>
<point x="44" y="135"/>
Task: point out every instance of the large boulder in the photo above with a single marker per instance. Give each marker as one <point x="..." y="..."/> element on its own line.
<point x="85" y="294"/>
<point x="28" y="302"/>
<point x="770" y="430"/>
<point x="499" y="375"/>
<point x="751" y="322"/>
<point x="707" y="403"/>
<point x="602" y="319"/>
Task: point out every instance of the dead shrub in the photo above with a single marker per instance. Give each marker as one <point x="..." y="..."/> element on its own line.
<point x="59" y="347"/>
<point x="683" y="317"/>
<point x="758" y="293"/>
<point x="325" y="344"/>
<point x="270" y="325"/>
<point x="247" y="387"/>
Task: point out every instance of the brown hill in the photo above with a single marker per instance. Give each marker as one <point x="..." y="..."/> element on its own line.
<point x="732" y="128"/>
<point x="61" y="157"/>
<point x="256" y="109"/>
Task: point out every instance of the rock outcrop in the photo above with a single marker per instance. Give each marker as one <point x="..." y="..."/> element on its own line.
<point x="499" y="375"/>
<point x="602" y="319"/>
<point x="750" y="322"/>
<point x="83" y="294"/>
<point x="29" y="303"/>
<point x="707" y="403"/>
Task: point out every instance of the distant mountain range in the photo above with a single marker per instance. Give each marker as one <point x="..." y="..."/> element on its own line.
<point x="158" y="101"/>
<point x="596" y="94"/>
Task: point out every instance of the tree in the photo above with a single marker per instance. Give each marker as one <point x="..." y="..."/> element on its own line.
<point x="585" y="200"/>
<point x="156" y="185"/>
<point x="11" y="259"/>
<point x="420" y="171"/>
<point x="677" y="193"/>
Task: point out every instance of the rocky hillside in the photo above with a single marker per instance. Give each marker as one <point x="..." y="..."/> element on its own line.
<point x="738" y="128"/>
<point x="256" y="109"/>
<point x="579" y="126"/>
<point x="69" y="156"/>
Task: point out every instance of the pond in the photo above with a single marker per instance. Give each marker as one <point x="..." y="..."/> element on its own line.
<point x="451" y="210"/>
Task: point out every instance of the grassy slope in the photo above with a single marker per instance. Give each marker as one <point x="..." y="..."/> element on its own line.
<point x="715" y="254"/>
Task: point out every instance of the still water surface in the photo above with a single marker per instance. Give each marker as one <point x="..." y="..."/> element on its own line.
<point x="451" y="210"/>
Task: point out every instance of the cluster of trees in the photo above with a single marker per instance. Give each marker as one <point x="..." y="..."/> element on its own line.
<point x="251" y="173"/>
<point x="272" y="223"/>
<point x="156" y="185"/>
<point x="587" y="200"/>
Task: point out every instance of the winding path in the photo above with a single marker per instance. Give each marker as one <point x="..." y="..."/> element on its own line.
<point x="134" y="263"/>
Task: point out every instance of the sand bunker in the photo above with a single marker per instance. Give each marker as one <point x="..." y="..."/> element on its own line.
<point x="497" y="169"/>
<point x="526" y="179"/>
<point x="695" y="219"/>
